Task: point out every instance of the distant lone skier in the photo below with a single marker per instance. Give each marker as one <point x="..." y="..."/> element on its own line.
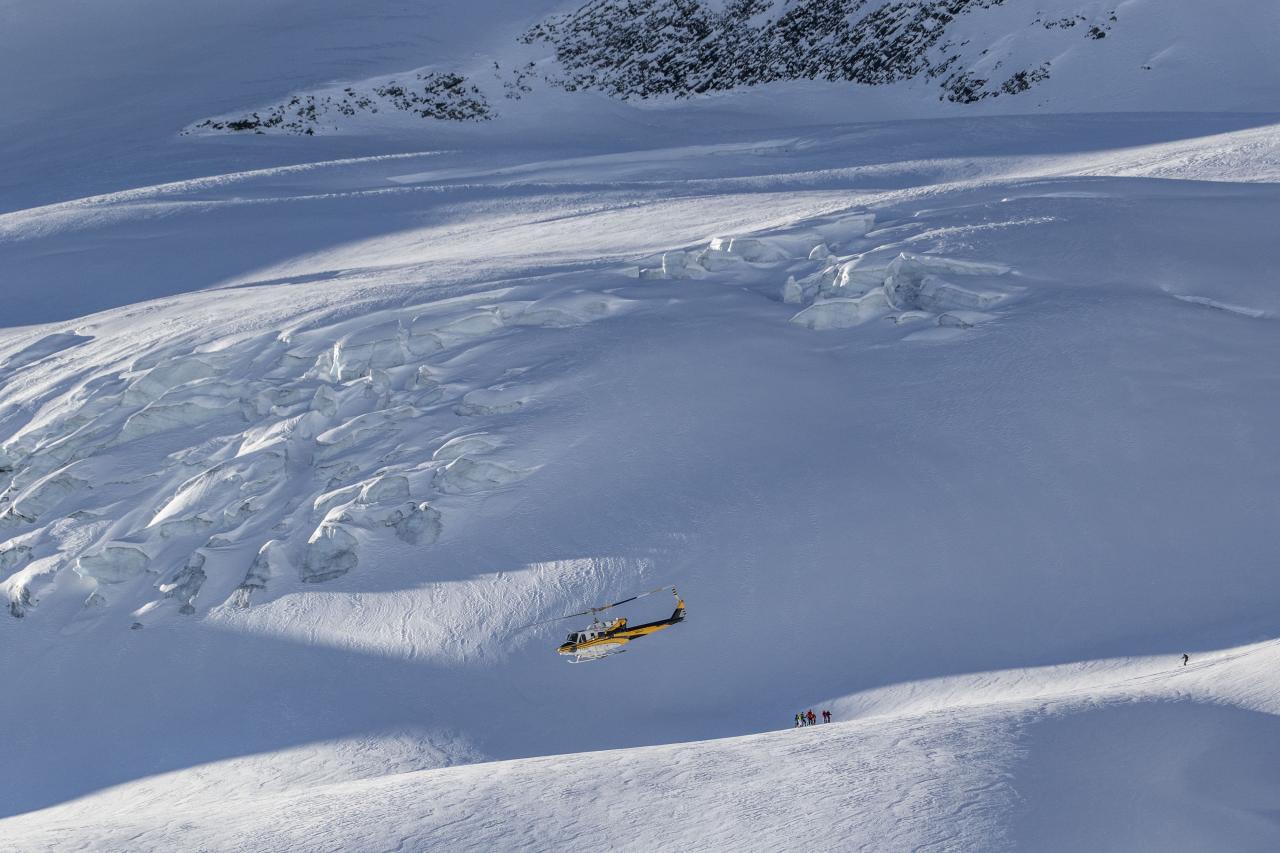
<point x="1185" y="657"/>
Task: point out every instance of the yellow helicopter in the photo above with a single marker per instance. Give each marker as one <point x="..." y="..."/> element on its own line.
<point x="603" y="639"/>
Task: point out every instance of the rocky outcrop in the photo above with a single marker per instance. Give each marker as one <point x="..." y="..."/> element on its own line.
<point x="645" y="48"/>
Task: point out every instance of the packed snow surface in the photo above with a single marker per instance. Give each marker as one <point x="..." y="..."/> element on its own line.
<point x="960" y="427"/>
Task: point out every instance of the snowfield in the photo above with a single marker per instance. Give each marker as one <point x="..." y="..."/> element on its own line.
<point x="961" y="427"/>
<point x="1120" y="754"/>
<point x="1012" y="410"/>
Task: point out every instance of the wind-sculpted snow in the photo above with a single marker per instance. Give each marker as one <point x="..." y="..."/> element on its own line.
<point x="42" y="349"/>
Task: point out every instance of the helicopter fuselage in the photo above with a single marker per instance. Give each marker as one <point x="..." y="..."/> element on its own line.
<point x="608" y="637"/>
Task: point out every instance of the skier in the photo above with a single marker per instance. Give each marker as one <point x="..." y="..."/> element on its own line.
<point x="1185" y="657"/>
<point x="813" y="718"/>
<point x="826" y="716"/>
<point x="797" y="721"/>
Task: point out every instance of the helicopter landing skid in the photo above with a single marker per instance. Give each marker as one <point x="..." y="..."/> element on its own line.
<point x="588" y="658"/>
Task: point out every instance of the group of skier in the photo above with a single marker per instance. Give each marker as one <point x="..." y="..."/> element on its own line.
<point x="808" y="718"/>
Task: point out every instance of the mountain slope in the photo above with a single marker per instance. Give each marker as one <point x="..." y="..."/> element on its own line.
<point x="298" y="434"/>
<point x="378" y="81"/>
<point x="911" y="58"/>
<point x="1021" y="418"/>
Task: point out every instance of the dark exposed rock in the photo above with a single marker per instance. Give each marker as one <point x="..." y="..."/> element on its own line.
<point x="646" y="48"/>
<point x="185" y="584"/>
<point x="20" y="603"/>
<point x="429" y="95"/>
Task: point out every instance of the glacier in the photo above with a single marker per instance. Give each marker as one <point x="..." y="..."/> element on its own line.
<point x="952" y="418"/>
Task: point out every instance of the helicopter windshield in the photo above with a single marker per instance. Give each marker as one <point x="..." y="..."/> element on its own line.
<point x="573" y="638"/>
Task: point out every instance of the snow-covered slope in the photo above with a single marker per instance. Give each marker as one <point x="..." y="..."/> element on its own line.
<point x="297" y="434"/>
<point x="1114" y="755"/>
<point x="1016" y="412"/>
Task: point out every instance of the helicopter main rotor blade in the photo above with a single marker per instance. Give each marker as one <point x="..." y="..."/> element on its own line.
<point x="555" y="619"/>
<point x="632" y="598"/>
<point x="594" y="610"/>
